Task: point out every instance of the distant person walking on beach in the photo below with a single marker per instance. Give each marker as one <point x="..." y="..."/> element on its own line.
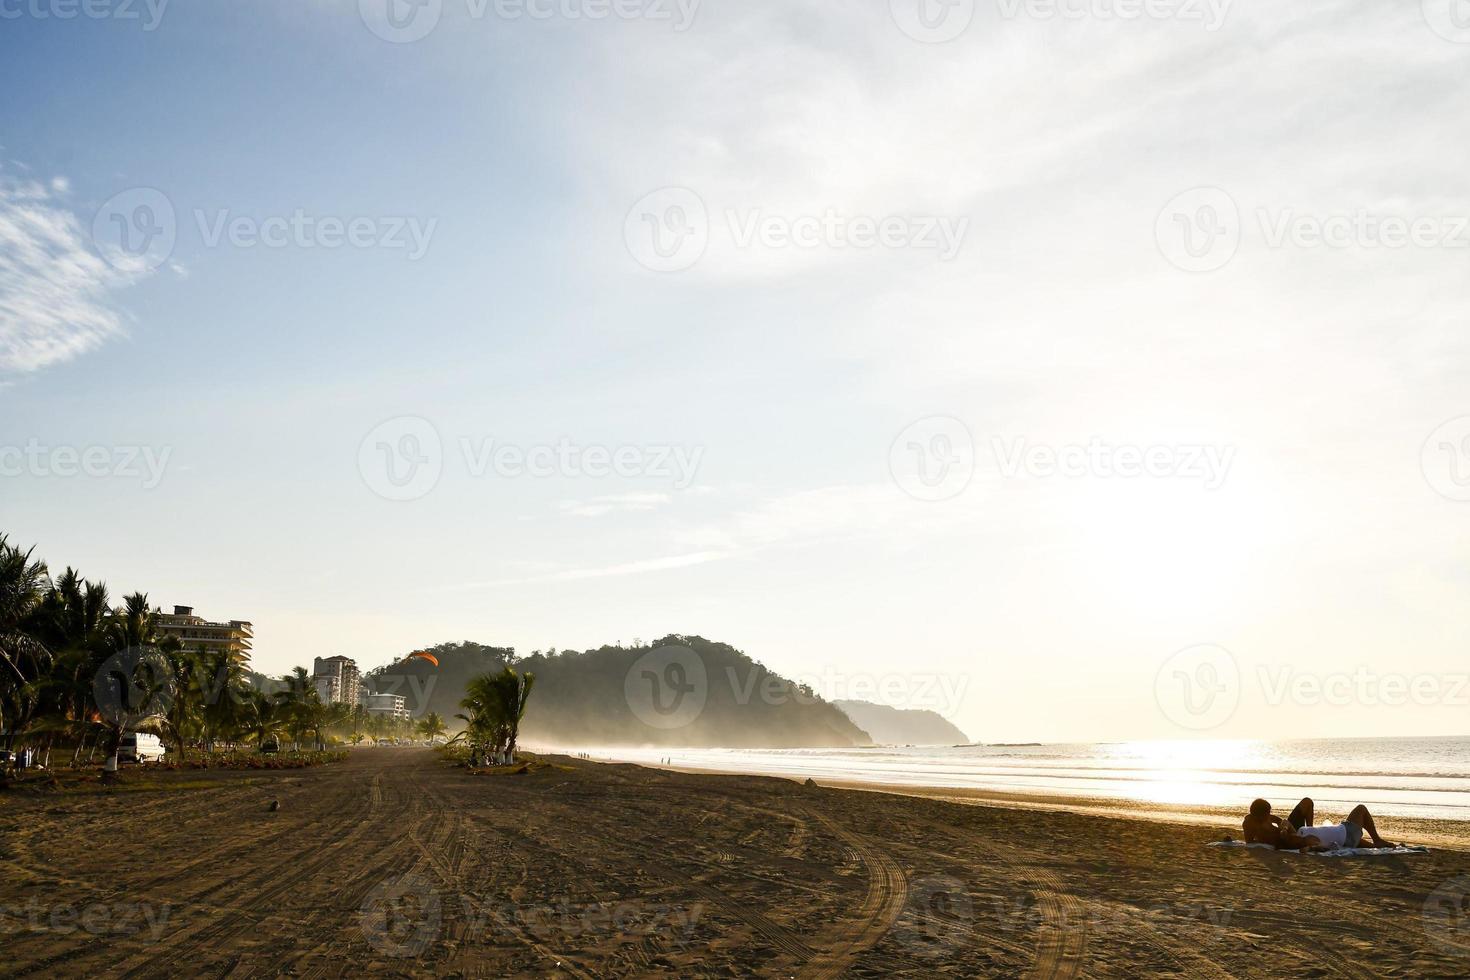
<point x="1298" y="831"/>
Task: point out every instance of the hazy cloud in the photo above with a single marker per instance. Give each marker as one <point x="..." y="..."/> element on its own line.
<point x="54" y="286"/>
<point x="614" y="504"/>
<point x="606" y="571"/>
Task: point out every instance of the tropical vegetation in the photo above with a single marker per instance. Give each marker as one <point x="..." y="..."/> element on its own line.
<point x="79" y="673"/>
<point x="494" y="706"/>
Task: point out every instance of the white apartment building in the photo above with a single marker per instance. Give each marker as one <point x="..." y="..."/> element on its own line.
<point x="392" y="705"/>
<point x="337" y="680"/>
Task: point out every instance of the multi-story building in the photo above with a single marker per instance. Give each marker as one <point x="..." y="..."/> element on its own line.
<point x="392" y="705"/>
<point x="337" y="680"/>
<point x="195" y="632"/>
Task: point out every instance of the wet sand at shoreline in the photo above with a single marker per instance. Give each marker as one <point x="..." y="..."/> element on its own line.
<point x="396" y="863"/>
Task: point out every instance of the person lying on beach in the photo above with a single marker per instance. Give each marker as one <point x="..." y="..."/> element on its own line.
<point x="1297" y="832"/>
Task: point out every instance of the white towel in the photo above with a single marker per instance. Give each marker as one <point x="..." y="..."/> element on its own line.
<point x="1341" y="852"/>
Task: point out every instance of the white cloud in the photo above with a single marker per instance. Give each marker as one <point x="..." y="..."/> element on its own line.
<point x="879" y="514"/>
<point x="605" y="571"/>
<point x="54" y="286"/>
<point x="624" y="503"/>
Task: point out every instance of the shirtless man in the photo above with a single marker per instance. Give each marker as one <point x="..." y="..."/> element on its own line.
<point x="1297" y="832"/>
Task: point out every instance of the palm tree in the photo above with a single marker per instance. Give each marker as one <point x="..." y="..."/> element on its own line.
<point x="74" y="620"/>
<point x="225" y="692"/>
<point x="263" y="716"/>
<point x="24" y="659"/>
<point x="495" y="705"/>
<point x="304" y="709"/>
<point x="183" y="714"/>
<point x="134" y="686"/>
<point x="481" y="718"/>
<point x="432" y="726"/>
<point x="514" y="690"/>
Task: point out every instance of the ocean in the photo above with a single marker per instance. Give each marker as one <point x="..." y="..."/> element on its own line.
<point x="1409" y="777"/>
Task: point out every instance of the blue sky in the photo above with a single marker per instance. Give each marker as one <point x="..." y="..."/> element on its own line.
<point x="1060" y="154"/>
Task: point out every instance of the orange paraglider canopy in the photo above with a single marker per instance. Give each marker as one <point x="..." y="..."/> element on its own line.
<point x="424" y="655"/>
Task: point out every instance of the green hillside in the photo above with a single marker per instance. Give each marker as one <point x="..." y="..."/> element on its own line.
<point x="679" y="691"/>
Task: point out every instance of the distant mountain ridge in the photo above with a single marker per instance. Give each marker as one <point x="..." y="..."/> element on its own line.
<point x="893" y="726"/>
<point x="682" y="691"/>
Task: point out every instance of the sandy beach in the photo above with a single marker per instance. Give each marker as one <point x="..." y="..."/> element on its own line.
<point x="396" y="863"/>
<point x="1453" y="834"/>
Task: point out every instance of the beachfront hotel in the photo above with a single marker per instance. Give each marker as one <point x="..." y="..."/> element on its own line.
<point x="337" y="680"/>
<point x="389" y="705"/>
<point x="195" y="632"/>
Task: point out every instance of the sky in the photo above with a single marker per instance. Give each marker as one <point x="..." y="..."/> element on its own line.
<point x="1086" y="370"/>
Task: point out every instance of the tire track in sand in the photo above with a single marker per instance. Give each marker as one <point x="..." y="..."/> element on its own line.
<point x="888" y="893"/>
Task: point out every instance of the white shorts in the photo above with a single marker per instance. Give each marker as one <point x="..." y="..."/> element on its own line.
<point x="1345" y="834"/>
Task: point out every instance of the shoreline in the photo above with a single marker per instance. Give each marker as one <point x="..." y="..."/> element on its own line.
<point x="1447" y="834"/>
